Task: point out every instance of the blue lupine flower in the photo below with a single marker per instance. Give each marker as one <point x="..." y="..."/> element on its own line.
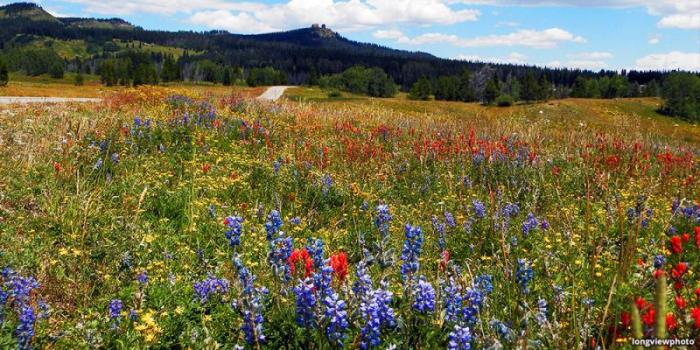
<point x="323" y="280"/>
<point x="440" y="229"/>
<point x="468" y="225"/>
<point x="466" y="181"/>
<point x="450" y="220"/>
<point x="425" y="296"/>
<point x="250" y="306"/>
<point x="479" y="209"/>
<point x="524" y="275"/>
<point x="544" y="225"/>
<point x="276" y="166"/>
<point x="541" y="315"/>
<point x="377" y="314"/>
<point x="383" y="219"/>
<point x="142" y="277"/>
<point x="273" y="224"/>
<point x="484" y="283"/>
<point x="235" y="228"/>
<point x="115" y="309"/>
<point x="453" y="301"/>
<point x="115" y="158"/>
<point x="315" y="249"/>
<point x="137" y="121"/>
<point x="305" y="303"/>
<point x="503" y="331"/>
<point x="44" y="309"/>
<point x="460" y="338"/>
<point x="472" y="300"/>
<point x="529" y="224"/>
<point x="364" y="206"/>
<point x="210" y="286"/>
<point x="363" y="284"/>
<point x="19" y="287"/>
<point x="98" y="164"/>
<point x="659" y="261"/>
<point x="337" y="317"/>
<point x="295" y="220"/>
<point x="588" y="302"/>
<point x="326" y="183"/>
<point x="411" y="251"/>
<point x="25" y="328"/>
<point x="281" y="249"/>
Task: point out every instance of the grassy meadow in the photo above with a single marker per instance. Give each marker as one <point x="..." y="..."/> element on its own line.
<point x="195" y="217"/>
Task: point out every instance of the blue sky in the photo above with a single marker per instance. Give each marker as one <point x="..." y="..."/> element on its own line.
<point x="592" y="34"/>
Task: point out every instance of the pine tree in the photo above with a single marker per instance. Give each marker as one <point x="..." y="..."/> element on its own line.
<point x="545" y="89"/>
<point x="313" y="76"/>
<point x="78" y="79"/>
<point x="529" y="88"/>
<point x="56" y="70"/>
<point x="465" y="91"/>
<point x="227" y="77"/>
<point x="4" y="75"/>
<point x="492" y="90"/>
<point x="421" y="89"/>
<point x="579" y="89"/>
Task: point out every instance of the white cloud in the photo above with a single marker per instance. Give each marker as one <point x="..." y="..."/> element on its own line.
<point x="685" y="21"/>
<point x="669" y="61"/>
<point x="683" y="14"/>
<point x="391" y="34"/>
<point x="654" y="39"/>
<point x="342" y="15"/>
<point x="512" y="58"/>
<point x="508" y="24"/>
<point x="241" y="22"/>
<point x="597" y="55"/>
<point x="547" y="38"/>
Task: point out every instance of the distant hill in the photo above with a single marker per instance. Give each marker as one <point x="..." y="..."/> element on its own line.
<point x="299" y="53"/>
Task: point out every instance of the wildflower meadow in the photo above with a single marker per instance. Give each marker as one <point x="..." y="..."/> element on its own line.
<point x="185" y="221"/>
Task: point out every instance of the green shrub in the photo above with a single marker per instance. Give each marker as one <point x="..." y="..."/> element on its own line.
<point x="334" y="93"/>
<point x="504" y="101"/>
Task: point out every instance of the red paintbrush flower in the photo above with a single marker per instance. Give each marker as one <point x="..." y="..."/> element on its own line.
<point x="625" y="319"/>
<point x="339" y="263"/>
<point x="641" y="303"/>
<point x="671" y="323"/>
<point x="301" y="256"/>
<point x="685" y="237"/>
<point x="697" y="236"/>
<point x="57" y="166"/>
<point x="445" y="259"/>
<point x="680" y="302"/>
<point x="697" y="293"/>
<point x="206" y="167"/>
<point x="678" y="270"/>
<point x="695" y="315"/>
<point x="678" y="285"/>
<point x="649" y="317"/>
<point x="676" y="246"/>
